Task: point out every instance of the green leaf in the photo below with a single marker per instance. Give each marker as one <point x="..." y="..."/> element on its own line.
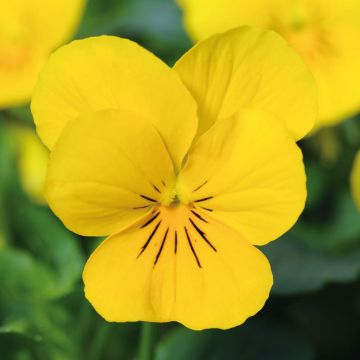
<point x="182" y="343"/>
<point x="298" y="268"/>
<point x="331" y="319"/>
<point x="6" y="175"/>
<point x="23" y="280"/>
<point x="338" y="232"/>
<point x="257" y="339"/>
<point x="156" y="25"/>
<point x="21" y="114"/>
<point x="18" y="327"/>
<point x="28" y="312"/>
<point x="45" y="236"/>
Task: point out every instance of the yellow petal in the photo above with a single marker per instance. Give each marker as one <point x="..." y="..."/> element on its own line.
<point x="33" y="159"/>
<point x="325" y="33"/>
<point x="355" y="180"/>
<point x="248" y="171"/>
<point x="338" y="70"/>
<point x="29" y="31"/>
<point x="166" y="271"/>
<point x="249" y="68"/>
<point x="113" y="73"/>
<point x="107" y="170"/>
<point x="54" y="22"/>
<point x="205" y="18"/>
<point x="19" y="69"/>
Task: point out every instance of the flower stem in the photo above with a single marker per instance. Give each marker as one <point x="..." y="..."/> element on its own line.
<point x="97" y="345"/>
<point x="146" y="342"/>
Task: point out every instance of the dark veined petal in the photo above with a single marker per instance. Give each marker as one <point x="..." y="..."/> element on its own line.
<point x="178" y="264"/>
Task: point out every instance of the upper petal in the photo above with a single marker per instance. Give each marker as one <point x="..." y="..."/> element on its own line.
<point x="107" y="170"/>
<point x="324" y="32"/>
<point x="248" y="172"/>
<point x="249" y="68"/>
<point x="112" y="73"/>
<point x="167" y="271"/>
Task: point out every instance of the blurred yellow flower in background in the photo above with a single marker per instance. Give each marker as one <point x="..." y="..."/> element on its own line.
<point x="29" y="31"/>
<point x="32" y="162"/>
<point x="186" y="168"/>
<point x="355" y="180"/>
<point x="325" y="33"/>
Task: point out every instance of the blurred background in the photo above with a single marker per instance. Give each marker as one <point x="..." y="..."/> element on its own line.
<point x="314" y="308"/>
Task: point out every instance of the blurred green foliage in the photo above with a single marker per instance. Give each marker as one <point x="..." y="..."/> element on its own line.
<point x="314" y="309"/>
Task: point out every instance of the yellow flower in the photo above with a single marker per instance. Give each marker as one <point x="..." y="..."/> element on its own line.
<point x="355" y="180"/>
<point x="33" y="157"/>
<point x="186" y="169"/>
<point x="324" y="32"/>
<point x="29" y="31"/>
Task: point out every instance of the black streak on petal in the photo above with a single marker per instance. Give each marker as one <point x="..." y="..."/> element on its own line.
<point x="192" y="248"/>
<point x="202" y="234"/>
<point x="200" y="186"/>
<point x="141" y="207"/>
<point x="204" y="199"/>
<point x="149" y="239"/>
<point x="147" y="198"/>
<point x="161" y="247"/>
<point x="150" y="221"/>
<point x="175" y="250"/>
<point x="198" y="216"/>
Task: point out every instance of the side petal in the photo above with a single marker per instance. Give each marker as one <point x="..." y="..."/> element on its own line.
<point x="167" y="272"/>
<point x="248" y="172"/>
<point x="107" y="170"/>
<point x="355" y="180"/>
<point x="112" y="73"/>
<point x="249" y="68"/>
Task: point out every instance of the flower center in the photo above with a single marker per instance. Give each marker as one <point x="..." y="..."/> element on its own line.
<point x="16" y="50"/>
<point x="14" y="57"/>
<point x="306" y="32"/>
<point x="176" y="223"/>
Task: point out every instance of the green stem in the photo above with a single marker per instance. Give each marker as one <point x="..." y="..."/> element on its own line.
<point x="98" y="342"/>
<point x="146" y="343"/>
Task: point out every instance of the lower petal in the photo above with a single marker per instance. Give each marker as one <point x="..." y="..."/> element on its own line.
<point x="178" y="267"/>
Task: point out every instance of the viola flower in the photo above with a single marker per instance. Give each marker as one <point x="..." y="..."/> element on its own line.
<point x="355" y="180"/>
<point x="325" y="33"/>
<point x="186" y="168"/>
<point x="29" y="32"/>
